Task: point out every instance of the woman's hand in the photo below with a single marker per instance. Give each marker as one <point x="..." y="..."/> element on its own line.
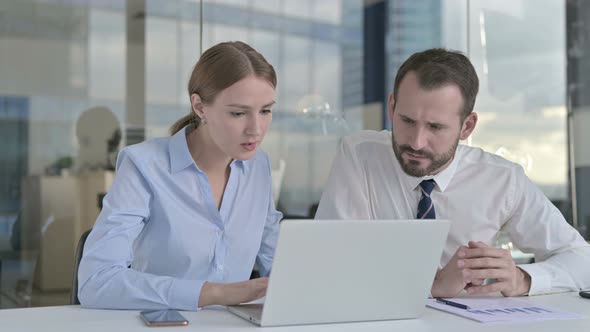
<point x="232" y="293"/>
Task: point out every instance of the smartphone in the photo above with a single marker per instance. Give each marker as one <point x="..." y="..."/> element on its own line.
<point x="585" y="294"/>
<point x="163" y="318"/>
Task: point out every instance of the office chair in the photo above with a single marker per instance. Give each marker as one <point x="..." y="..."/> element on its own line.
<point x="78" y="256"/>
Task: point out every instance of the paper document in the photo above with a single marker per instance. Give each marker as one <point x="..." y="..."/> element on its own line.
<point x="496" y="310"/>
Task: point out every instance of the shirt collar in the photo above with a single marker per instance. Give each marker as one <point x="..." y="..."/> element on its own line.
<point x="442" y="179"/>
<point x="180" y="155"/>
<point x="243" y="164"/>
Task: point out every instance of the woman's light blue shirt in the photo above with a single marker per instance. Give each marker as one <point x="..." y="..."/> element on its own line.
<point x="160" y="236"/>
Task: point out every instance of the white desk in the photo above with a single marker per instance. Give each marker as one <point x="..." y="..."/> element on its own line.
<point x="74" y="318"/>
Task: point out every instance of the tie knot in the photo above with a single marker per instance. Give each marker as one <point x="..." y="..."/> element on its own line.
<point x="428" y="186"/>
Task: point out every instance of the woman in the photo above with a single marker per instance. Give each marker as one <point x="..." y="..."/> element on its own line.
<point x="188" y="215"/>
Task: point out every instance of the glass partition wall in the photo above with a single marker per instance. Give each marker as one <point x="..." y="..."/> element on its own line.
<point x="79" y="80"/>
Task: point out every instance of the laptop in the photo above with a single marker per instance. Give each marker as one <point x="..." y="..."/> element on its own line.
<point x="334" y="271"/>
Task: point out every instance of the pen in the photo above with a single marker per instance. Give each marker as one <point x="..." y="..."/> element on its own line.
<point x="451" y="303"/>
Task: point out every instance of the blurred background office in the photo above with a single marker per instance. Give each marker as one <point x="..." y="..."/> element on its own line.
<point x="80" y="79"/>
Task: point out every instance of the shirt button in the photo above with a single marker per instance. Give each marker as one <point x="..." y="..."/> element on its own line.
<point x="220" y="267"/>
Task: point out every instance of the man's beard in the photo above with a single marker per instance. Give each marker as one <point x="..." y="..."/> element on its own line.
<point x="412" y="167"/>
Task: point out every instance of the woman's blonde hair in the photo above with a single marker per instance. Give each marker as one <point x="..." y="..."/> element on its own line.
<point x="220" y="67"/>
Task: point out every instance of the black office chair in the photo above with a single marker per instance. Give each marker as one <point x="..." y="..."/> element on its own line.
<point x="79" y="251"/>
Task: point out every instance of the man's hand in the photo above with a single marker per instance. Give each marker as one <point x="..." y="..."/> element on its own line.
<point x="449" y="280"/>
<point x="480" y="261"/>
<point x="232" y="293"/>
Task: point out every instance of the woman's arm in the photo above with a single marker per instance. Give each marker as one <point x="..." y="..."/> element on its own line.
<point x="105" y="281"/>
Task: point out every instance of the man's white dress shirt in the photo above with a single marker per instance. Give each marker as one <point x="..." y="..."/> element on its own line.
<point x="479" y="192"/>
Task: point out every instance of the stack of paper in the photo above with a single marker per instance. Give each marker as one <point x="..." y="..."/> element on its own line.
<point x="488" y="310"/>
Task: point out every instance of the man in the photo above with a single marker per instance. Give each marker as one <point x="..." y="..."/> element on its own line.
<point x="428" y="175"/>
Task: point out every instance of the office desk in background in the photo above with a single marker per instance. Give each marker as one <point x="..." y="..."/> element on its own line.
<point x="74" y="318"/>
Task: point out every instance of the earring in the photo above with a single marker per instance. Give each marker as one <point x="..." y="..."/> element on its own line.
<point x="204" y="121"/>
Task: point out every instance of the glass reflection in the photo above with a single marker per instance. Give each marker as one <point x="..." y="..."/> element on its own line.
<point x="522" y="100"/>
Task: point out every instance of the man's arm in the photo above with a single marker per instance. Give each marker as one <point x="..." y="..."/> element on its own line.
<point x="345" y="194"/>
<point x="537" y="226"/>
<point x="562" y="256"/>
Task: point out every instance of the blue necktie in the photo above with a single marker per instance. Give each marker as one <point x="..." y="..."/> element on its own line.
<point x="425" y="206"/>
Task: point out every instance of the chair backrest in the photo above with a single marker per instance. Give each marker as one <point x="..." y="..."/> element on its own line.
<point x="79" y="251"/>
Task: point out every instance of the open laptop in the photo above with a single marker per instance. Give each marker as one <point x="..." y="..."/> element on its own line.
<point x="332" y="271"/>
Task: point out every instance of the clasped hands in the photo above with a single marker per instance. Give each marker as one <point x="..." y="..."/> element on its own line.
<point x="474" y="263"/>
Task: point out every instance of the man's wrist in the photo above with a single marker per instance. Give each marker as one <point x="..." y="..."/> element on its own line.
<point x="440" y="287"/>
<point x="524" y="282"/>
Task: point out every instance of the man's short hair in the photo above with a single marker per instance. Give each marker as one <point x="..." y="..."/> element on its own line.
<point x="437" y="67"/>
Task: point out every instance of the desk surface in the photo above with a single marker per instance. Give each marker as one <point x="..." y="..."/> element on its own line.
<point x="74" y="318"/>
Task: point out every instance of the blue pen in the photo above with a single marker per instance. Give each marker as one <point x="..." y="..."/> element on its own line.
<point x="451" y="303"/>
